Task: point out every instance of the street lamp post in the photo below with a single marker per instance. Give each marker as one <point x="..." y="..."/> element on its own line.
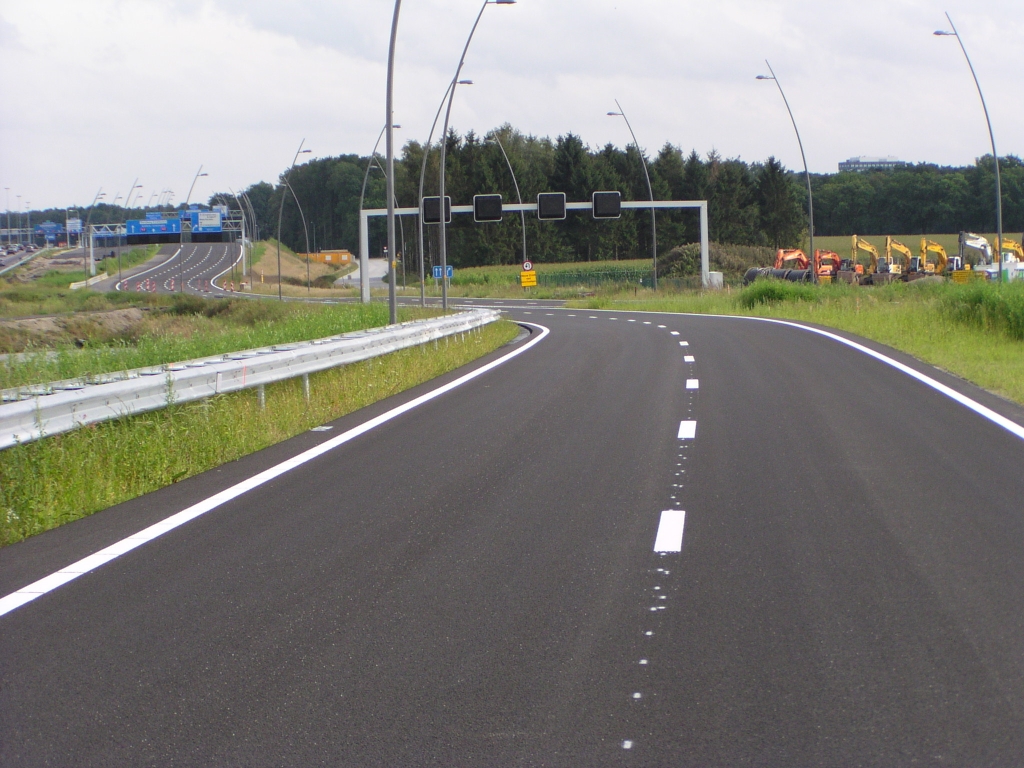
<point x="181" y="234"/>
<point x="364" y="278"/>
<point x="389" y="145"/>
<point x="444" y="150"/>
<point x="992" y="138"/>
<point x="807" y="174"/>
<point x="87" y="254"/>
<point x="495" y="140"/>
<point x="127" y="204"/>
<point x="423" y="174"/>
<point x="305" y="230"/>
<point x="650" y="190"/>
<point x="401" y="226"/>
<point x="19" y="219"/>
<point x="280" y="214"/>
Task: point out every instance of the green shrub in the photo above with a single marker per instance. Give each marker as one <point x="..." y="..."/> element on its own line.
<point x="776" y="291"/>
<point x="992" y="306"/>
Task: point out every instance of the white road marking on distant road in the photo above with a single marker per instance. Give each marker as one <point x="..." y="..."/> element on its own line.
<point x="675" y="333"/>
<point x="64" y="575"/>
<point x="684" y="343"/>
<point x="688" y="358"/>
<point x="687" y="430"/>
<point x="670" y="531"/>
<point x="693" y="384"/>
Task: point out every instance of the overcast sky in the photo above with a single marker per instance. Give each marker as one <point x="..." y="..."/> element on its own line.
<point x="97" y="92"/>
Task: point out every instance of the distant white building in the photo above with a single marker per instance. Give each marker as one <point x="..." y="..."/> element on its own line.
<point x="871" y="164"/>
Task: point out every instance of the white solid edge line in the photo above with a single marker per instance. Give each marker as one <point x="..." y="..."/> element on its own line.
<point x="670" y="531"/>
<point x="69" y="573"/>
<point x="693" y="383"/>
<point x="687" y="430"/>
<point x="987" y="413"/>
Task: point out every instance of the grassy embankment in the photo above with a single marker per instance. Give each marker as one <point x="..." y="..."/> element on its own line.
<point x="65" y="477"/>
<point x="186" y="327"/>
<point x="263" y="277"/>
<point x="129" y="259"/>
<point x="974" y="331"/>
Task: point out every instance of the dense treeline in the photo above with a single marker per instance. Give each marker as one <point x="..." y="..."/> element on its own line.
<point x="920" y="199"/>
<point x="755" y="204"/>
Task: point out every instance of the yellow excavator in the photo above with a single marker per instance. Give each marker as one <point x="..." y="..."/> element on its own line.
<point x="930" y="246"/>
<point x="1012" y="247"/>
<point x="858" y="243"/>
<point x="895" y="245"/>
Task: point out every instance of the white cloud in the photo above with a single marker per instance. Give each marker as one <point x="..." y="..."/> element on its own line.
<point x="100" y="92"/>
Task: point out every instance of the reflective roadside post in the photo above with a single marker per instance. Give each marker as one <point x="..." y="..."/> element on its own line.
<point x="992" y="138"/>
<point x="807" y="174"/>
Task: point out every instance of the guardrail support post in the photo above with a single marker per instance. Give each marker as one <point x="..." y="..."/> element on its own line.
<point x="261" y="396"/>
<point x="305" y="386"/>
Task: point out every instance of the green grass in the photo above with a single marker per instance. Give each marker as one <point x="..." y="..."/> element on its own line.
<point x="974" y="331"/>
<point x="62" y="478"/>
<point x="129" y="259"/>
<point x="192" y="327"/>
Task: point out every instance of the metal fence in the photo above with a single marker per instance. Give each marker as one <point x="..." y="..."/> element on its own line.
<point x="30" y="413"/>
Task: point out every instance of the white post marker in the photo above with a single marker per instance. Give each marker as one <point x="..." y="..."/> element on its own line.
<point x="687" y="430"/>
<point x="670" y="531"/>
<point x="693" y="384"/>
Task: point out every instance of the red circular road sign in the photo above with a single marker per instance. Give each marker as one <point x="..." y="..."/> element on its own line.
<point x="527" y="266"/>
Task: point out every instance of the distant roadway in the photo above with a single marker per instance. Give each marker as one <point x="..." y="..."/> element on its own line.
<point x="196" y="265"/>
<point x="473" y="581"/>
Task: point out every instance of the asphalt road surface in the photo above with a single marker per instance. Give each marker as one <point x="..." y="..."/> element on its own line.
<point x="197" y="265"/>
<point x="474" y="582"/>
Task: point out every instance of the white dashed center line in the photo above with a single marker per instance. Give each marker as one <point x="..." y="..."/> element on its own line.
<point x="692" y="384"/>
<point x="687" y="430"/>
<point x="684" y="343"/>
<point x="670" y="531"/>
<point x="675" y="333"/>
<point x="686" y="358"/>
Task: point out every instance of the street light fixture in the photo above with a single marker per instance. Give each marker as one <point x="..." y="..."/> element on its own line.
<point x="198" y="174"/>
<point x="992" y="138"/>
<point x="807" y="174"/>
<point x="444" y="150"/>
<point x="650" y="190"/>
<point x="280" y="213"/>
<point x="495" y="140"/>
<point x="423" y="174"/>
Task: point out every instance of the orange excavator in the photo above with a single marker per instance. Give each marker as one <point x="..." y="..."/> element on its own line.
<point x="826" y="265"/>
<point x="791" y="258"/>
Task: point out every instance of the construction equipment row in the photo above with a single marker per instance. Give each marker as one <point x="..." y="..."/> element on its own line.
<point x="897" y="263"/>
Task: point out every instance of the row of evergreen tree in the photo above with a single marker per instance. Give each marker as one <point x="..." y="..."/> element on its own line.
<point x="748" y="203"/>
<point x="761" y="204"/>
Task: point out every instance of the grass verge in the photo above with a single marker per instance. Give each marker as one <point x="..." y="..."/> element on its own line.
<point x="974" y="331"/>
<point x="62" y="478"/>
<point x="191" y="327"/>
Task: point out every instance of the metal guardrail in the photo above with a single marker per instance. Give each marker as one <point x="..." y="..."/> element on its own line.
<point x="32" y="412"/>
